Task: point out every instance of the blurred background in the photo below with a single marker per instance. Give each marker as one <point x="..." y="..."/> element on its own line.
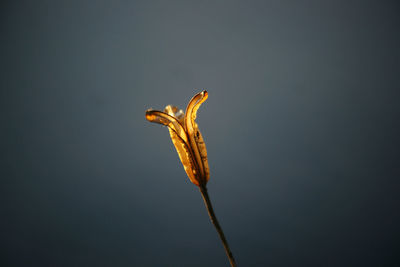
<point x="301" y="126"/>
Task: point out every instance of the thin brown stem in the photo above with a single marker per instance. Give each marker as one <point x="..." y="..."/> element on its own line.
<point x="207" y="202"/>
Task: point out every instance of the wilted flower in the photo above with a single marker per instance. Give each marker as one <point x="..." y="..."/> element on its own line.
<point x="186" y="137"/>
<point x="192" y="151"/>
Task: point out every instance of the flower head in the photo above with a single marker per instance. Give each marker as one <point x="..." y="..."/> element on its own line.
<point x="186" y="137"/>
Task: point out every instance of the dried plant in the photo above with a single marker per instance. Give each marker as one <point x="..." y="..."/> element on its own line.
<point x="192" y="151"/>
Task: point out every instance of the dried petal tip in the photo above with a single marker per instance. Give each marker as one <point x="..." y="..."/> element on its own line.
<point x="149" y="115"/>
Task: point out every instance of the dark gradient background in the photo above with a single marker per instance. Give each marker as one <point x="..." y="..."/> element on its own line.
<point x="301" y="125"/>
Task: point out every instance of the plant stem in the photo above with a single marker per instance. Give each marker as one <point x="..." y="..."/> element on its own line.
<point x="207" y="202"/>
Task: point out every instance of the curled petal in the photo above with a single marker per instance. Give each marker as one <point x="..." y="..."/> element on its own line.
<point x="167" y="120"/>
<point x="179" y="139"/>
<point x="195" y="137"/>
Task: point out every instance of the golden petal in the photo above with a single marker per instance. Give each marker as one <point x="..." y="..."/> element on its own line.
<point x="201" y="146"/>
<point x="167" y="120"/>
<point x="179" y="139"/>
<point x="195" y="137"/>
<point x="185" y="156"/>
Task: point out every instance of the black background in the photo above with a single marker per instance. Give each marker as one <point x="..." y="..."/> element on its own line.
<point x="301" y="126"/>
